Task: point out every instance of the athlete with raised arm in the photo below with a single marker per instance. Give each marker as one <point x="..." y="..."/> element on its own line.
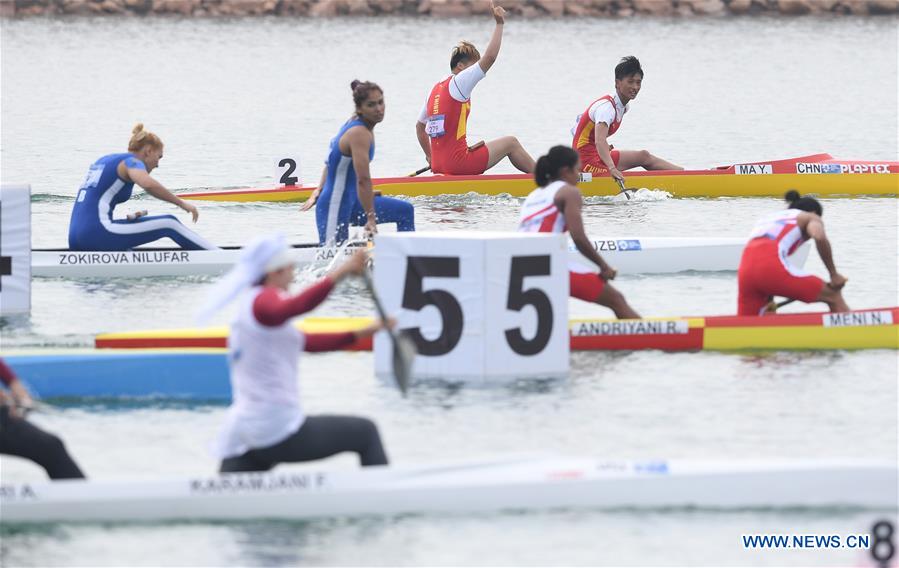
<point x="442" y="125"/>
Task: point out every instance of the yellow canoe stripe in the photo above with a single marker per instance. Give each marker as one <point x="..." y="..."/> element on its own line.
<point x="714" y="338"/>
<point x="286" y="196"/>
<point x="187" y="332"/>
<point x="307" y="325"/>
<point x="710" y="185"/>
<point x="801" y="337"/>
<point x="333" y="325"/>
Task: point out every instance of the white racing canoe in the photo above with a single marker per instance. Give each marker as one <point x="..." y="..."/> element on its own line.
<point x="509" y="485"/>
<point x="630" y="255"/>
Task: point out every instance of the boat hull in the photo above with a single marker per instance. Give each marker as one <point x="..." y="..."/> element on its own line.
<point x="818" y="174"/>
<point x="514" y="485"/>
<point x="860" y="329"/>
<point x="183" y="374"/>
<point x="191" y="364"/>
<point x="629" y="255"/>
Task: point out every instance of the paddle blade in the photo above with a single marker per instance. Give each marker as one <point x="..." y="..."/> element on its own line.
<point x="404" y="352"/>
<point x="623" y="189"/>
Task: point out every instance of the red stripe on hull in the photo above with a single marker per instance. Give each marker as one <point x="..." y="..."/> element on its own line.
<point x="692" y="340"/>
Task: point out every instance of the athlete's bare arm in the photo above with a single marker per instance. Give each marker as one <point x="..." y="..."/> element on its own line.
<point x="569" y="201"/>
<point x="813" y="226"/>
<point x="310" y="201"/>
<point x="492" y="52"/>
<point x="423" y="139"/>
<point x="359" y="139"/>
<point x="605" y="151"/>
<point x="154" y="188"/>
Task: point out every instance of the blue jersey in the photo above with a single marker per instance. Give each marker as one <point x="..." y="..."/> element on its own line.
<point x="339" y="200"/>
<point x="92" y="226"/>
<point x="103" y="189"/>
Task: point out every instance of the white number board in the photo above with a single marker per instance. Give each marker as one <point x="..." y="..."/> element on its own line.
<point x="287" y="171"/>
<point x="480" y="306"/>
<point x="15" y="248"/>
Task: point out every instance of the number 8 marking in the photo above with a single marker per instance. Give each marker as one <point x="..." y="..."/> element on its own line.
<point x="883" y="549"/>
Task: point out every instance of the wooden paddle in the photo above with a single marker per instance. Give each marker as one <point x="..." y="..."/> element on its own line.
<point x="404" y="350"/>
<point x="773" y="306"/>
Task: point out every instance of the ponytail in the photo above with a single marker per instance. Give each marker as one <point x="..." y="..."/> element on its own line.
<point x="141" y="138"/>
<point x="796" y="201"/>
<point x="548" y="166"/>
<point x="542" y="174"/>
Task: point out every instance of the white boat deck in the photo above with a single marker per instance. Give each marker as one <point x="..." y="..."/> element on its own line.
<point x="492" y="486"/>
<point x="630" y="255"/>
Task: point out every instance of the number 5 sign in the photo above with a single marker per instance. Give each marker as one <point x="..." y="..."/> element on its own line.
<point x="479" y="306"/>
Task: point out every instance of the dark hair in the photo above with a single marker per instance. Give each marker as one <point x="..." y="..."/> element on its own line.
<point x="548" y="166"/>
<point x="361" y="90"/>
<point x="628" y="66"/>
<point x="809" y="204"/>
<point x="464" y="51"/>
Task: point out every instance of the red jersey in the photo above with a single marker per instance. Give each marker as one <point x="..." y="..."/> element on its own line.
<point x="585" y="133"/>
<point x="446" y="126"/>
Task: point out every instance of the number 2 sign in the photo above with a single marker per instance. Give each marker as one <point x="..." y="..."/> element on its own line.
<point x="287" y="172"/>
<point x="480" y="306"/>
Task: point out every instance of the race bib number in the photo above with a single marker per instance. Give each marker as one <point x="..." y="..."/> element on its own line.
<point x="434" y="127"/>
<point x="92" y="178"/>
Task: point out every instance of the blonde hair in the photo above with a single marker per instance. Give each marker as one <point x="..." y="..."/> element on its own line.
<point x="141" y="138"/>
<point x="464" y="51"/>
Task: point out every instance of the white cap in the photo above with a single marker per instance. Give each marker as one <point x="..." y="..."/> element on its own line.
<point x="261" y="256"/>
<point x="284" y="257"/>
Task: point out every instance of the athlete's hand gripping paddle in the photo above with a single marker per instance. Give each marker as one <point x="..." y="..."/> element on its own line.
<point x="340" y="254"/>
<point x="23" y="409"/>
<point x="404" y="350"/>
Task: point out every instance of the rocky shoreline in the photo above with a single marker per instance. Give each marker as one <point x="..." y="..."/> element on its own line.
<point x="445" y="8"/>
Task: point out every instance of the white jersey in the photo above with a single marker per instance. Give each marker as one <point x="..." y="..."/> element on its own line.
<point x="264" y="363"/>
<point x="539" y="213"/>
<point x="781" y="227"/>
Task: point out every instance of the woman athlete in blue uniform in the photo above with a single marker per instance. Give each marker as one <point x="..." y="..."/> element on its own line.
<point x="345" y="196"/>
<point x="109" y="182"/>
